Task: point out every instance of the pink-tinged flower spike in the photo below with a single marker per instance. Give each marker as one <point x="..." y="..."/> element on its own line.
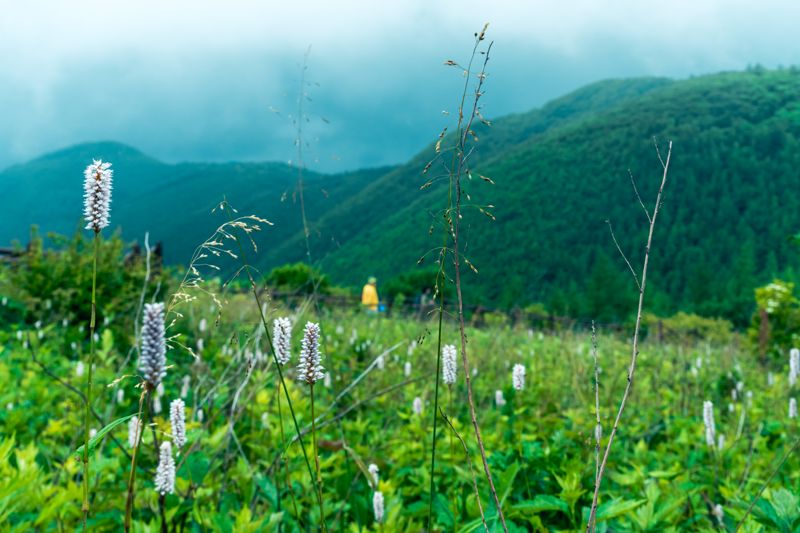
<point x="518" y="377"/>
<point x="153" y="360"/>
<point x="97" y="195"/>
<point x="310" y="367"/>
<point x="449" y="364"/>
<point x="377" y="506"/>
<point x="282" y="339"/>
<point x="177" y="419"/>
<point x="708" y="421"/>
<point x="165" y="472"/>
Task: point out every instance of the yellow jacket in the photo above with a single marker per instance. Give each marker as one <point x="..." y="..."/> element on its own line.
<point x="369" y="297"/>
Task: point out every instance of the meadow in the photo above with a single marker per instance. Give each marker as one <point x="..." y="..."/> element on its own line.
<point x="242" y="469"/>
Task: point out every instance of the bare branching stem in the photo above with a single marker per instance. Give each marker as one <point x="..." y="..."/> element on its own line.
<point x="598" y="431"/>
<point x="635" y="349"/>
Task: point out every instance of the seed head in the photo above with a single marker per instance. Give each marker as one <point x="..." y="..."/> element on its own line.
<point x="518" y="377"/>
<point x="177" y="419"/>
<point x="449" y="364"/>
<point x="310" y="367"/>
<point x="97" y="195"/>
<point x="153" y="361"/>
<point x="165" y="472"/>
<point x="282" y="339"/>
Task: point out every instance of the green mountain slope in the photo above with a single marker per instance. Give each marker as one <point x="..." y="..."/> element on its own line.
<point x="731" y="203"/>
<point x="560" y="172"/>
<point x="172" y="202"/>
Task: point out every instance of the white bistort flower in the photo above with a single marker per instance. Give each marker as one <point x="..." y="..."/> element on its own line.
<point x="377" y="506"/>
<point x="97" y="195"/>
<point x="310" y="367"/>
<point x="177" y="420"/>
<point x="794" y="366"/>
<point x="499" y="401"/>
<point x="373" y="470"/>
<point x="417" y="406"/>
<point x="165" y="472"/>
<point x="185" y="386"/>
<point x="792" y="407"/>
<point x="518" y="377"/>
<point x="407" y="369"/>
<point x="79" y="368"/>
<point x="449" y="365"/>
<point x="708" y="421"/>
<point x="153" y="360"/>
<point x="134" y="431"/>
<point x="282" y="339"/>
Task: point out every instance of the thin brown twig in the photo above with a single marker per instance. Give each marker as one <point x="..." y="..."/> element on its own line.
<point x="598" y="431"/>
<point x="638" y="197"/>
<point x="635" y="349"/>
<point x="619" y="249"/>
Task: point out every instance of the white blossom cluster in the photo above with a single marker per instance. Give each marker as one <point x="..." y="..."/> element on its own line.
<point x="282" y="339"/>
<point x="153" y="361"/>
<point x="134" y="431"/>
<point x="177" y="420"/>
<point x="310" y="367"/>
<point x="165" y="472"/>
<point x="518" y="377"/>
<point x="708" y="421"/>
<point x="794" y="366"/>
<point x="97" y="195"/>
<point x="449" y="364"/>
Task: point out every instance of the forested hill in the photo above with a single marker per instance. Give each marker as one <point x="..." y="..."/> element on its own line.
<point x="731" y="204"/>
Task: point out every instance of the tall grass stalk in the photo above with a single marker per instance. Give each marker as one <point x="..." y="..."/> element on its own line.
<point x="459" y="167"/>
<point x="590" y="525"/>
<point x="460" y="162"/>
<point x="254" y="289"/>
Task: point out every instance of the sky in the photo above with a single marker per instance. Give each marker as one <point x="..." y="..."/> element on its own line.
<point x="197" y="80"/>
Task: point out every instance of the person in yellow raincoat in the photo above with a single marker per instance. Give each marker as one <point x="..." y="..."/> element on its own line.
<point x="369" y="295"/>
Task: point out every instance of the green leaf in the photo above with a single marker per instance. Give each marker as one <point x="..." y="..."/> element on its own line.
<point x="542" y="502"/>
<point x="102" y="433"/>
<point x="617" y="507"/>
